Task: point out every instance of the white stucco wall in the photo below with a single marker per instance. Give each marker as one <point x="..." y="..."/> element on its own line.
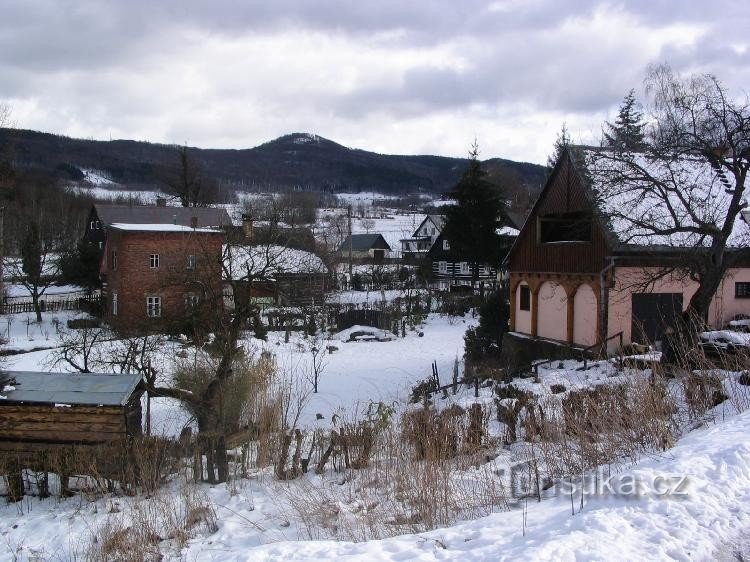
<point x="553" y="313"/>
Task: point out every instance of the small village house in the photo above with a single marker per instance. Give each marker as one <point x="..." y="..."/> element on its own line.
<point x="155" y="275"/>
<point x="102" y="216"/>
<point x="449" y="270"/>
<point x="269" y="274"/>
<point x="365" y="247"/>
<point x="576" y="278"/>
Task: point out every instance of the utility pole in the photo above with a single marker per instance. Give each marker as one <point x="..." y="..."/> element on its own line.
<point x="349" y="216"/>
<point x="2" y="258"/>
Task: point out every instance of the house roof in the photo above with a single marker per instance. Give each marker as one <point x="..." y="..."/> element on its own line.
<point x="91" y="389"/>
<point x="269" y="261"/>
<point x="162" y="228"/>
<point x="127" y="214"/>
<point x="362" y="242"/>
<point x="682" y="193"/>
<point x="438" y="221"/>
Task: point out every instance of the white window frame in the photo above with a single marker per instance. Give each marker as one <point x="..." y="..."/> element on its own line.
<point x="114" y="304"/>
<point x="442" y="267"/>
<point x="446" y="245"/>
<point x="190" y="262"/>
<point x="153" y="306"/>
<point x="153" y="261"/>
<point x="465" y="269"/>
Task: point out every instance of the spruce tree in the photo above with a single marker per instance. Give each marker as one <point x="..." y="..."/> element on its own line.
<point x="471" y="224"/>
<point x="562" y="140"/>
<point x="627" y="132"/>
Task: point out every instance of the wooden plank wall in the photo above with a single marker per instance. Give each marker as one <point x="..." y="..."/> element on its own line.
<point x="60" y="425"/>
<point x="565" y="193"/>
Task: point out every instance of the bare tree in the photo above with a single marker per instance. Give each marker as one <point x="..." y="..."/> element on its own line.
<point x="80" y="349"/>
<point x="243" y="268"/>
<point x="187" y="182"/>
<point x="686" y="188"/>
<point x="38" y="266"/>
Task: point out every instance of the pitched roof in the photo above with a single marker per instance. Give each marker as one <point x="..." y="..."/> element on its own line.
<point x="691" y="194"/>
<point x="92" y="389"/>
<point x="126" y="214"/>
<point x="162" y="228"/>
<point x="438" y="220"/>
<point x="270" y="261"/>
<point x="362" y="242"/>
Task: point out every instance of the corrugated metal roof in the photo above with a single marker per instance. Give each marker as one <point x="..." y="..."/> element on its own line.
<point x="92" y="389"/>
<point x="207" y="216"/>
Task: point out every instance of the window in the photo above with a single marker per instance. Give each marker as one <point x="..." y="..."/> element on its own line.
<point x="154" y="261"/>
<point x="465" y="269"/>
<point x="446" y="245"/>
<point x="114" y="304"/>
<point x="91" y="225"/>
<point x="742" y="290"/>
<point x="190" y="262"/>
<point x="443" y="267"/>
<point x="565" y="227"/>
<point x="114" y="260"/>
<point x="191" y="300"/>
<point x="153" y="307"/>
<point x="524" y="298"/>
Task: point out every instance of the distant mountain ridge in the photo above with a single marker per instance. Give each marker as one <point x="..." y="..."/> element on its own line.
<point x="297" y="160"/>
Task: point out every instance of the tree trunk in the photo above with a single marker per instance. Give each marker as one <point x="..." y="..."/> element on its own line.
<point x="35" y="302"/>
<point x="694" y="318"/>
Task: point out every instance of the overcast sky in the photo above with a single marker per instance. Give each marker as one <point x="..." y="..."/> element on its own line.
<point x="393" y="76"/>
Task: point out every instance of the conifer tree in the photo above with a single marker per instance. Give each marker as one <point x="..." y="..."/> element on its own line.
<point x="562" y="140"/>
<point x="471" y="224"/>
<point x="626" y="133"/>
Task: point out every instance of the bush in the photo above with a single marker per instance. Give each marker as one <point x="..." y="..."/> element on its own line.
<point x="486" y="339"/>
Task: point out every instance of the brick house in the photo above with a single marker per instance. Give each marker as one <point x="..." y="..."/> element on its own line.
<point x="102" y="216"/>
<point x="155" y="275"/>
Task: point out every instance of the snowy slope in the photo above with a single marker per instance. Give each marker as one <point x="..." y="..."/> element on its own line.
<point x="714" y="512"/>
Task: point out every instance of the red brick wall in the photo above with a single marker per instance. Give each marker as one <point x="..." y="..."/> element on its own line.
<point x="134" y="280"/>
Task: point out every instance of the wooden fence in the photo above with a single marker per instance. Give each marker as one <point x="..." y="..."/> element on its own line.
<point x="85" y="303"/>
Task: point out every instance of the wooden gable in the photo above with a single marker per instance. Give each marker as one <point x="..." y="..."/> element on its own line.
<point x="564" y="194"/>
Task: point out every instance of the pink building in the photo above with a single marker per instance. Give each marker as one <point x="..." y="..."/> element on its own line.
<point x="580" y="273"/>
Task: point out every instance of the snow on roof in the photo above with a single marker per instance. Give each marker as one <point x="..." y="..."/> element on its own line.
<point x="151" y="214"/>
<point x="507" y="231"/>
<point x="268" y="261"/>
<point x="687" y="197"/>
<point x="161" y="228"/>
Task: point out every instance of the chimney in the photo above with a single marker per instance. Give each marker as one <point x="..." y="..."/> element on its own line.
<point x="193" y="222"/>
<point x="161" y="202"/>
<point x="247" y="226"/>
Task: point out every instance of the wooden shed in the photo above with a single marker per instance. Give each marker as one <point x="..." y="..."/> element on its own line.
<point x="47" y="410"/>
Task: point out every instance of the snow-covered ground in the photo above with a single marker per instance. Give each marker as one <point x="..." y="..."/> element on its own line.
<point x="705" y="515"/>
<point x="17" y="290"/>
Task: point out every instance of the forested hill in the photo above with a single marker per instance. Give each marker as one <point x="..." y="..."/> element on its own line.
<point x="296" y="160"/>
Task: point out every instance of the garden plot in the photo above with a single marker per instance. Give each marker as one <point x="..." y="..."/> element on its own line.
<point x="401" y="508"/>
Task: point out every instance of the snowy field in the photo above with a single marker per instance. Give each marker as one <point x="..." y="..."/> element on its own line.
<point x="706" y="515"/>
<point x="353" y="375"/>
